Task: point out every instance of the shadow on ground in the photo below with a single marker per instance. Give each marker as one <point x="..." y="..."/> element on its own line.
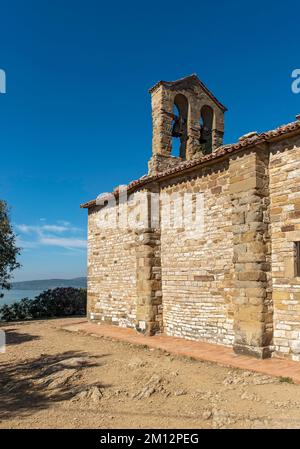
<point x="16" y="338"/>
<point x="37" y="383"/>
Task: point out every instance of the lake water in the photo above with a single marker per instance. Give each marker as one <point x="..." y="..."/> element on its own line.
<point x="11" y="296"/>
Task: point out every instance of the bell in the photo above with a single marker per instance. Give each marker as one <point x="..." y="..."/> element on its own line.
<point x="178" y="127"/>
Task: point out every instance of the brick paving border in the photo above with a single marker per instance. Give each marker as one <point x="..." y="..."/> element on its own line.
<point x="208" y="352"/>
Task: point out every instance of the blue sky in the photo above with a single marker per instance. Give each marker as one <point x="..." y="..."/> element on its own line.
<point x="76" y="118"/>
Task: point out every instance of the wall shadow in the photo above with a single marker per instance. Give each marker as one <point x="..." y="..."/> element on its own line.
<point x="17" y="338"/>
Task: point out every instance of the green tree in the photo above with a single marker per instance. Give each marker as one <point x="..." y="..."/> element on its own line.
<point x="8" y="249"/>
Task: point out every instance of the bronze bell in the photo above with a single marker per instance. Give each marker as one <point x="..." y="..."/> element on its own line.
<point x="178" y="127"/>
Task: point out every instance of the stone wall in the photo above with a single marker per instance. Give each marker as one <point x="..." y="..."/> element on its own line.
<point x="112" y="273"/>
<point x="285" y="230"/>
<point x="235" y="284"/>
<point x="124" y="267"/>
<point x="197" y="272"/>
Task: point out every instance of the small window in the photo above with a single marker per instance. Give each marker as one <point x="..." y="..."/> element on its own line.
<point x="297" y="259"/>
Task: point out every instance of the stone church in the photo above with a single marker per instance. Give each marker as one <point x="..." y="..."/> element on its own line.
<point x="237" y="283"/>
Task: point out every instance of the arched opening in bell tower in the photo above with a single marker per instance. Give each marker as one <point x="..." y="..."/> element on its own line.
<point x="179" y="126"/>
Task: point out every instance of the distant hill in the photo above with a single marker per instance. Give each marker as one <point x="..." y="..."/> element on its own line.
<point x="45" y="284"/>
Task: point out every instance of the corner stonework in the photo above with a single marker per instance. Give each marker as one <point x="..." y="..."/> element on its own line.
<point x="149" y="317"/>
<point x="148" y="282"/>
<point x="249" y="192"/>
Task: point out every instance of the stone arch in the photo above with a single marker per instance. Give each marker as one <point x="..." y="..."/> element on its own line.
<point x="179" y="125"/>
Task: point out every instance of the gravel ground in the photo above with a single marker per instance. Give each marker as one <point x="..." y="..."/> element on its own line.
<point x="51" y="378"/>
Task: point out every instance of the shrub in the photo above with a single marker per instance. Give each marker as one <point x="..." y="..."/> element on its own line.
<point x="288" y="380"/>
<point x="57" y="302"/>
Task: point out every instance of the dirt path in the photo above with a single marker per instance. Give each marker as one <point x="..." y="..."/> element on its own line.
<point x="50" y="378"/>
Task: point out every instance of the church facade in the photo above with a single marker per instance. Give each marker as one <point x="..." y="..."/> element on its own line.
<point x="233" y="276"/>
